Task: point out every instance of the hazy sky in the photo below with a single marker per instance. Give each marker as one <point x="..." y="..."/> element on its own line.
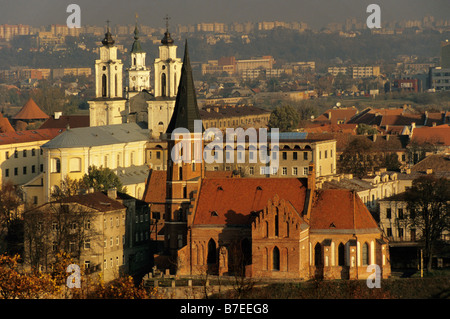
<point x="316" y="13"/>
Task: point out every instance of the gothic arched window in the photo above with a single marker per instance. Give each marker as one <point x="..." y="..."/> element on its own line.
<point x="341" y="255"/>
<point x="318" y="255"/>
<point x="211" y="259"/>
<point x="276" y="258"/>
<point x="365" y="254"/>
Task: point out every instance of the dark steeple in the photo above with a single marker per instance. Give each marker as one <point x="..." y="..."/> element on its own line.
<point x="108" y="40"/>
<point x="136" y="48"/>
<point x="186" y="108"/>
<point x="167" y="40"/>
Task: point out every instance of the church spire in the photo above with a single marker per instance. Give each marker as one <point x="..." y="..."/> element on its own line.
<point x="167" y="40"/>
<point x="108" y="40"/>
<point x="136" y="48"/>
<point x="186" y="108"/>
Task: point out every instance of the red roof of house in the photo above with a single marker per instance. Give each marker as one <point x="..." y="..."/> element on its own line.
<point x="72" y="121"/>
<point x="331" y="128"/>
<point x="29" y="136"/>
<point x="155" y="190"/>
<point x="436" y="135"/>
<point x="5" y="125"/>
<point x="332" y="116"/>
<point x="30" y="111"/>
<point x="234" y="199"/>
<point x="337" y="209"/>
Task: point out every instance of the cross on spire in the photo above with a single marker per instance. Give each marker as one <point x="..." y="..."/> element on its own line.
<point x="167" y="22"/>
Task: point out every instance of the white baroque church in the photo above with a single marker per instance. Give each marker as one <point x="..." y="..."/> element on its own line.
<point x="137" y="101"/>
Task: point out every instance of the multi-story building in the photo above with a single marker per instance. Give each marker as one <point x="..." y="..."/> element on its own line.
<point x="109" y="233"/>
<point x="21" y="156"/>
<point x="118" y="147"/>
<point x="440" y="78"/>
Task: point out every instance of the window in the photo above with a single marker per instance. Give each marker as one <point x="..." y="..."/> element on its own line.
<point x="111" y="241"/>
<point x="24" y="170"/>
<point x="105" y="264"/>
<point x="41" y="168"/>
<point x="87" y="244"/>
<point x="33" y="169"/>
<point x="400" y="233"/>
<point x="180" y="241"/>
<point x="55" y="165"/>
<point x="365" y="254"/>
<point x="276" y="259"/>
<point x="24" y="152"/>
<point x="294" y="171"/>
<point x="7" y="155"/>
<point x="341" y="255"/>
<point x="294" y="156"/>
<point x="388" y="213"/>
<point x="389" y="232"/>
<point x="320" y="154"/>
<point x="35" y="200"/>
<point x="7" y="172"/>
<point x="16" y="171"/>
<point x="33" y="152"/>
<point x="326" y="154"/>
<point x="158" y="155"/>
<point x="284" y="155"/>
<point x="117" y="241"/>
<point x="75" y="164"/>
<point x="400" y="213"/>
<point x="111" y="222"/>
<point x="252" y="170"/>
<point x="305" y="170"/>
<point x="87" y="264"/>
<point x="117" y="221"/>
<point x="16" y="154"/>
<point x="284" y="171"/>
<point x="87" y="225"/>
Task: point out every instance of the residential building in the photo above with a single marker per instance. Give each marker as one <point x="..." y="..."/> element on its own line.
<point x="439" y="78"/>
<point x="21" y="156"/>
<point x="109" y="234"/>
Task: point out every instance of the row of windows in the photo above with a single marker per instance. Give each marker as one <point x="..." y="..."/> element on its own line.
<point x="75" y="163"/>
<point x="325" y="153"/>
<point x="25" y="170"/>
<point x="24" y="153"/>
<point x="111" y="222"/>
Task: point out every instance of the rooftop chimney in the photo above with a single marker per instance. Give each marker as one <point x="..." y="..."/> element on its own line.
<point x="57" y="115"/>
<point x="112" y="193"/>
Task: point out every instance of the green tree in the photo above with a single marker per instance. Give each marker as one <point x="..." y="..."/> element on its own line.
<point x="357" y="158"/>
<point x="365" y="129"/>
<point x="285" y="118"/>
<point x="428" y="202"/>
<point x="101" y="179"/>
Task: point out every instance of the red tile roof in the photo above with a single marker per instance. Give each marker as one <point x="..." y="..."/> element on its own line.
<point x="234" y="199"/>
<point x="73" y="121"/>
<point x="331" y="128"/>
<point x="332" y="116"/>
<point x="155" y="190"/>
<point x="29" y="136"/>
<point x="30" y="111"/>
<point x="336" y="209"/>
<point x="437" y="134"/>
<point x="5" y="125"/>
<point x="97" y="200"/>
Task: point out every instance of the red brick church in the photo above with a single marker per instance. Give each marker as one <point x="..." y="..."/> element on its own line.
<point x="260" y="227"/>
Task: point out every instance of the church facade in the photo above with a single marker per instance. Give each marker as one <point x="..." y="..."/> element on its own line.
<point x="137" y="101"/>
<point x="259" y="227"/>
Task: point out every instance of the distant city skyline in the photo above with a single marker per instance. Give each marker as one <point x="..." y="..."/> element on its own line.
<point x="316" y="13"/>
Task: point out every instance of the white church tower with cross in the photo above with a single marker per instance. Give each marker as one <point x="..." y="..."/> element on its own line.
<point x="167" y="72"/>
<point x="109" y="106"/>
